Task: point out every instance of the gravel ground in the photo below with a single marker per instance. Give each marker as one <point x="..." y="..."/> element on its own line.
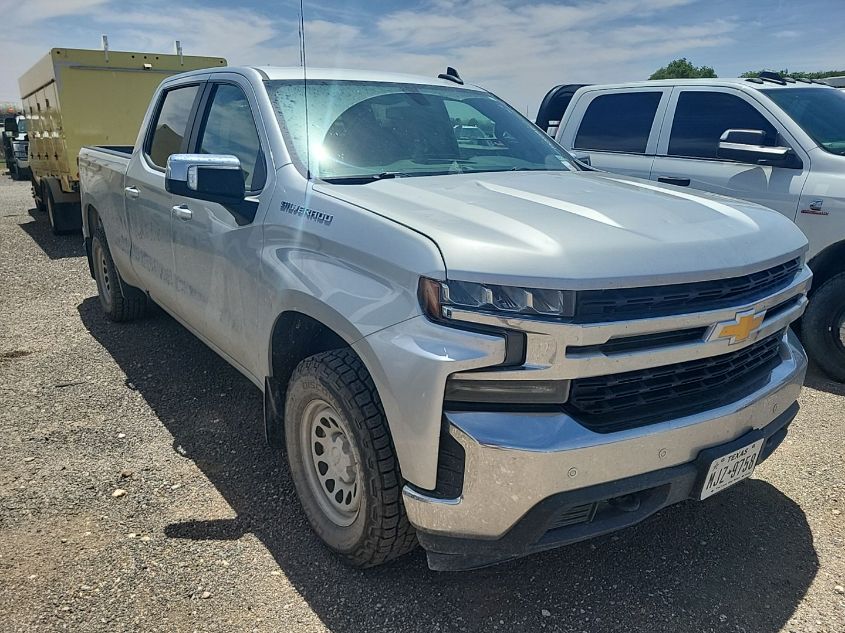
<point x="208" y="535"/>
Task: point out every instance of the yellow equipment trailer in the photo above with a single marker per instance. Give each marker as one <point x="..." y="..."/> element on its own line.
<point x="78" y="97"/>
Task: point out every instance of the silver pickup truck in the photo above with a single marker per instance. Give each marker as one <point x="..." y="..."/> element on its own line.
<point x="468" y="341"/>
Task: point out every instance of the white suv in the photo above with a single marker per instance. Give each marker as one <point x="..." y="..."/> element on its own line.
<point x="768" y="139"/>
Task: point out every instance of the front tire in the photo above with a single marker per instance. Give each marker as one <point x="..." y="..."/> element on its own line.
<point x="120" y="301"/>
<point x="823" y="327"/>
<point x="343" y="462"/>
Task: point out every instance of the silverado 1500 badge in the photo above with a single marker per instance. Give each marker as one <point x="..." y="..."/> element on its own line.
<point x="309" y="214"/>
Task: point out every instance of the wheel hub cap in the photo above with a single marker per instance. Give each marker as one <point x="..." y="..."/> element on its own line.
<point x="334" y="468"/>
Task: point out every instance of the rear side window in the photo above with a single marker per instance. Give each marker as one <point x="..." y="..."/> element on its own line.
<point x="702" y="117"/>
<point x="229" y="128"/>
<point x="171" y="124"/>
<point x="618" y="122"/>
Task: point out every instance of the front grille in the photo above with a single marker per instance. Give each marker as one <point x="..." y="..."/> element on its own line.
<point x="593" y="306"/>
<point x="605" y="404"/>
<point x="639" y="342"/>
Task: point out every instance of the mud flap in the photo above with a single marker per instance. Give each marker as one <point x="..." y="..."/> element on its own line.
<point x="274" y="413"/>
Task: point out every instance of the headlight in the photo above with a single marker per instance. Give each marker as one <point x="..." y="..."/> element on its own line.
<point x="439" y="298"/>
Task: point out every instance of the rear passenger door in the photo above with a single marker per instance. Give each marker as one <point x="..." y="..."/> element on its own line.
<point x="217" y="247"/>
<point x="687" y="153"/>
<point x="147" y="202"/>
<point x="617" y="128"/>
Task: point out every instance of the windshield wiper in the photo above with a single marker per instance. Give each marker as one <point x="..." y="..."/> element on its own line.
<point x="364" y="178"/>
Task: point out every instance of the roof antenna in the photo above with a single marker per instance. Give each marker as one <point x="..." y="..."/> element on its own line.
<point x="451" y="75"/>
<point x="304" y="88"/>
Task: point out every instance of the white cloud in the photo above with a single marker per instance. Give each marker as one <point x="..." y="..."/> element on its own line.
<point x="517" y="48"/>
<point x="34" y="11"/>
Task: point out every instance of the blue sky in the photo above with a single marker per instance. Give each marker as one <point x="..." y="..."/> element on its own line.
<point x="516" y="48"/>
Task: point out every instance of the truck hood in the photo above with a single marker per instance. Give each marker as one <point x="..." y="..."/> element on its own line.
<point x="579" y="230"/>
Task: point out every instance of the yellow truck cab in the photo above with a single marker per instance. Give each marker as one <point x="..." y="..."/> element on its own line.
<point x="78" y="97"/>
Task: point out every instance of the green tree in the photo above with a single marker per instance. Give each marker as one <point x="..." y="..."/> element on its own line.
<point x="822" y="74"/>
<point x="683" y="69"/>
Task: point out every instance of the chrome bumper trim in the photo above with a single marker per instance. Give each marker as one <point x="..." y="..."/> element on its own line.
<point x="515" y="460"/>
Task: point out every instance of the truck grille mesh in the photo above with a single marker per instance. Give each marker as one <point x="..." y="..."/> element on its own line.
<point x="605" y="404"/>
<point x="593" y="306"/>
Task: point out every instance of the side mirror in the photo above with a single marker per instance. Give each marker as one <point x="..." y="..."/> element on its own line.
<point x="582" y="157"/>
<point x="211" y="177"/>
<point x="748" y="146"/>
<point x="10" y="126"/>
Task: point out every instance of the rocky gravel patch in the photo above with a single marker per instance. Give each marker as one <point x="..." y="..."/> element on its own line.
<point x="137" y="494"/>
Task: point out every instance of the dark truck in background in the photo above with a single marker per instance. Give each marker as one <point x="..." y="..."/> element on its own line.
<point x="16" y="147"/>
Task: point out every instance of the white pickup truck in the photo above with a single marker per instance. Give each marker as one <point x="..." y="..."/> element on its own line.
<point x="463" y="340"/>
<point x="772" y="140"/>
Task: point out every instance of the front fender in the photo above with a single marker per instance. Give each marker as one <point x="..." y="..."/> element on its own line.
<point x="409" y="363"/>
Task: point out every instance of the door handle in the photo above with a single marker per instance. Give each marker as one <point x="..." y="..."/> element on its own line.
<point x="133" y="193"/>
<point x="672" y="180"/>
<point x="182" y="212"/>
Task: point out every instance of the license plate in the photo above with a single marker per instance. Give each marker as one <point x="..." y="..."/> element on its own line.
<point x="728" y="469"/>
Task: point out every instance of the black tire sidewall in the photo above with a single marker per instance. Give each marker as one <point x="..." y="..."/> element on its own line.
<point x="98" y="245"/>
<point x="818" y="332"/>
<point x="305" y="386"/>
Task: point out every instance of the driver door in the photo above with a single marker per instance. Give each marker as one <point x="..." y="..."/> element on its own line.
<point x="216" y="248"/>
<point x="687" y="152"/>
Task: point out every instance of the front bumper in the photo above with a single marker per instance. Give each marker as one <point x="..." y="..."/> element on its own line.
<point x="519" y="465"/>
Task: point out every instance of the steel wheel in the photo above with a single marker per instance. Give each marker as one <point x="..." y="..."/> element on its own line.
<point x="334" y="470"/>
<point x="102" y="276"/>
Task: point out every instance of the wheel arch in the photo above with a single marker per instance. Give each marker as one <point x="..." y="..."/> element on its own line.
<point x="295" y="336"/>
<point x="827" y="264"/>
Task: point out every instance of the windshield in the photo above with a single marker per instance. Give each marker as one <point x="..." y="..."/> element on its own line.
<point x="820" y="113"/>
<point x="361" y="130"/>
<point x="21" y="126"/>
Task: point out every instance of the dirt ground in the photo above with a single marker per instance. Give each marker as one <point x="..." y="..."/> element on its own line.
<point x="209" y="535"/>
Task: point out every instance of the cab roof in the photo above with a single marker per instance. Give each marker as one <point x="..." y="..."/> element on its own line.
<point x="750" y="83"/>
<point x="340" y="74"/>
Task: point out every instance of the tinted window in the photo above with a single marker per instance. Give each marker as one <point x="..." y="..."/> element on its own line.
<point x="819" y="111"/>
<point x="171" y="124"/>
<point x="618" y="122"/>
<point x="702" y="117"/>
<point x="229" y="128"/>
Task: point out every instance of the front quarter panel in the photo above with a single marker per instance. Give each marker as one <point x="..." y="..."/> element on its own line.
<point x="821" y="207"/>
<point x="357" y="273"/>
<point x="363" y="268"/>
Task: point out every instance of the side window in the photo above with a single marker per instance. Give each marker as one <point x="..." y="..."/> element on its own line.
<point x="619" y="122"/>
<point x="702" y="117"/>
<point x="229" y="128"/>
<point x="171" y="124"/>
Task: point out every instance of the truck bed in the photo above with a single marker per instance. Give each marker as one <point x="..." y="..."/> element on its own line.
<point x="102" y="170"/>
<point x="119" y="150"/>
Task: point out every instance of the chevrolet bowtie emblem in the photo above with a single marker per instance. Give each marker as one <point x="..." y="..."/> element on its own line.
<point x="743" y="325"/>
